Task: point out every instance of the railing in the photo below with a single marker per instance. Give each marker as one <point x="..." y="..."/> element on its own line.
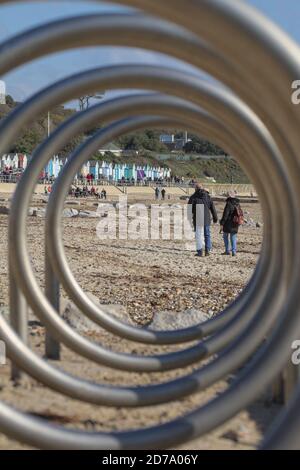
<point x="214" y="188"/>
<point x="252" y="337"/>
<point x="10" y="178"/>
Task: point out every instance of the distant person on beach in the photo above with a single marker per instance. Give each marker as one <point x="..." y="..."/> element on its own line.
<point x="77" y="192"/>
<point x="202" y="200"/>
<point x="232" y="218"/>
<point x="103" y="194"/>
<point x="157" y="193"/>
<point x="163" y="194"/>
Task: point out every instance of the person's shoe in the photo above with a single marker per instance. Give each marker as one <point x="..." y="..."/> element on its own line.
<point x="199" y="253"/>
<point x="207" y="252"/>
<point x="233" y="254"/>
<point x="226" y="253"/>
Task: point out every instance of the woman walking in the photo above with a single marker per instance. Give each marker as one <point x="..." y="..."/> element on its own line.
<point x="232" y="218"/>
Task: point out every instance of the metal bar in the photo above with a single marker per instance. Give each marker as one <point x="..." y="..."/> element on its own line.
<point x="265" y="142"/>
<point x="52" y="346"/>
<point x="18" y="320"/>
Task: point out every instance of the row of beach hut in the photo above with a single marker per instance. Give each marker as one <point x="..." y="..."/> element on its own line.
<point x="98" y="169"/>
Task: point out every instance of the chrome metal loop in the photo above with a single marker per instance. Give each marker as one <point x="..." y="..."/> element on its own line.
<point x="252" y="117"/>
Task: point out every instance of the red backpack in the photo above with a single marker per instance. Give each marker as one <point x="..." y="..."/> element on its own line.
<point x="238" y="215"/>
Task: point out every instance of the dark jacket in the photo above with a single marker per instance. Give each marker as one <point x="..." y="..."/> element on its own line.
<point x="228" y="214"/>
<point x="202" y="197"/>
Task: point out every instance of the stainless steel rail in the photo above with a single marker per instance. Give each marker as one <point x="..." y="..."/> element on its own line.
<point x="253" y="119"/>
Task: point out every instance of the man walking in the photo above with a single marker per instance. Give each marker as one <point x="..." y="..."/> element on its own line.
<point x="202" y="207"/>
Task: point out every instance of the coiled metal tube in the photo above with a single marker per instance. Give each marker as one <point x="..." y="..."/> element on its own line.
<point x="256" y="122"/>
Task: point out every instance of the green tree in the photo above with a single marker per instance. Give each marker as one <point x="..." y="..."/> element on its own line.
<point x="71" y="146"/>
<point x="27" y="142"/>
<point x="10" y="101"/>
<point x="203" y="147"/>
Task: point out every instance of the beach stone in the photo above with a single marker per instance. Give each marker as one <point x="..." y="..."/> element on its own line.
<point x="88" y="214"/>
<point x="75" y="318"/>
<point x="80" y="322"/>
<point x="121" y="205"/>
<point x="41" y="213"/>
<point x="168" y="320"/>
<point x="73" y="203"/>
<point x="118" y="311"/>
<point x="103" y="207"/>
<point x="4" y="210"/>
<point x="32" y="319"/>
<point x="70" y="212"/>
<point x="32" y="211"/>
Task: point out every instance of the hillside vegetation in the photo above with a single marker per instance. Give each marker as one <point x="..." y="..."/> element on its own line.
<point x="142" y="148"/>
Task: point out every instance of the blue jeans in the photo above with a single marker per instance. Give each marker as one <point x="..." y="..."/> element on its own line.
<point x="233" y="241"/>
<point x="199" y="233"/>
<point x="207" y="238"/>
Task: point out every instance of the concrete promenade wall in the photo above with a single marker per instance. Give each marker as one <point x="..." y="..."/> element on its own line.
<point x="146" y="191"/>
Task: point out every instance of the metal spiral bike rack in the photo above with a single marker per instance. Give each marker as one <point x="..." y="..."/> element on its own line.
<point x="253" y="118"/>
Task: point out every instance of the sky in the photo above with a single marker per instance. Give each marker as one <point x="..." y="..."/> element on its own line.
<point x="26" y="80"/>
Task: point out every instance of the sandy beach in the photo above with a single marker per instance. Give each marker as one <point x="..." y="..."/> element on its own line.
<point x="144" y="278"/>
